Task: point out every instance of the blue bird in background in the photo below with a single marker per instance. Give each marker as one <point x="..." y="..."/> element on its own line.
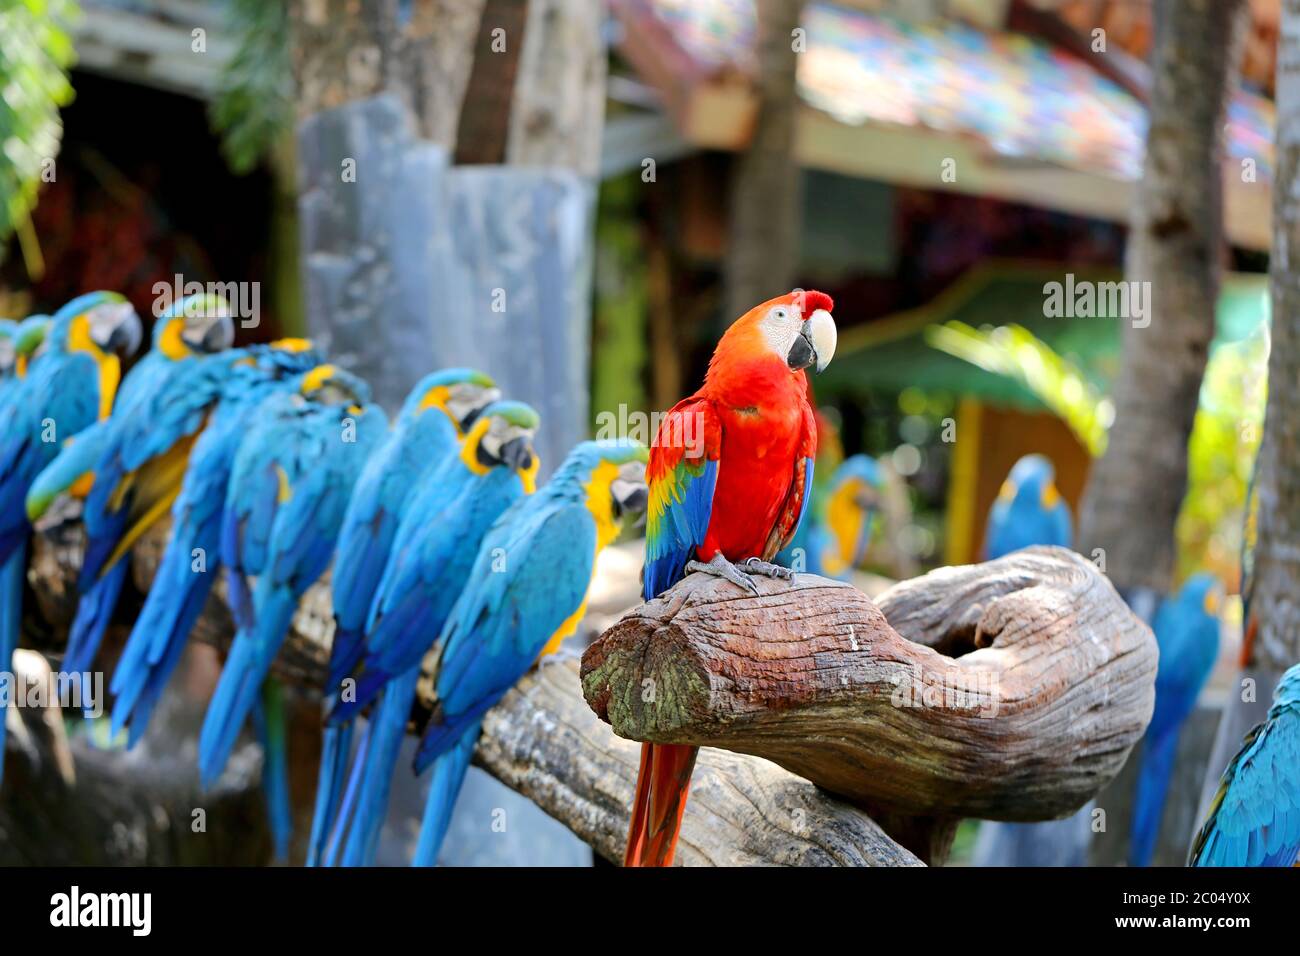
<point x="842" y="517"/>
<point x="1030" y="511"/>
<point x="1254" y="818"/>
<point x="525" y="594"/>
<point x="427" y="433"/>
<point x="141" y="455"/>
<point x="70" y="386"/>
<point x="1187" y="631"/>
<point x="192" y="558"/>
<point x="288" y="490"/>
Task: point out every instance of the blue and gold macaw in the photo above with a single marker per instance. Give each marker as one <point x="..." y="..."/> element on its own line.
<point x="418" y="444"/>
<point x="431" y="557"/>
<point x="141" y="454"/>
<point x="1028" y="511"/>
<point x="526" y="592"/>
<point x="191" y="561"/>
<point x="843" y="515"/>
<point x="1254" y="819"/>
<point x="404" y="469"/>
<point x="289" y="488"/>
<point x="1187" y="631"/>
<point x="72" y="385"/>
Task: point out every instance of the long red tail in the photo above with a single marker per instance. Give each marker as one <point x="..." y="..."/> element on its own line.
<point x="661" y="787"/>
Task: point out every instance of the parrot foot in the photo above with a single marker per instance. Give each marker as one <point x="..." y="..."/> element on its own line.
<point x="767" y="569"/>
<point x="720" y="567"/>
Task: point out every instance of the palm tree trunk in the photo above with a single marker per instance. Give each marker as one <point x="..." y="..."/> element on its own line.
<point x="765" y="215"/>
<point x="1175" y="244"/>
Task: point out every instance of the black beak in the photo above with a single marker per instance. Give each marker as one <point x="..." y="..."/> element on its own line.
<point x="802" y="354"/>
<point x="470" y="418"/>
<point x="218" y="336"/>
<point x="126" y="336"/>
<point x="517" y="453"/>
<point x="633" y="503"/>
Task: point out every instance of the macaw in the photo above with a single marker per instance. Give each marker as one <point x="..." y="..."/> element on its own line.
<point x="416" y="448"/>
<point x="731" y="474"/>
<point x="72" y="385"/>
<point x="140" y="456"/>
<point x="289" y="487"/>
<point x="192" y="558"/>
<point x="1028" y="511"/>
<point x="431" y="556"/>
<point x="29" y="341"/>
<point x="526" y="592"/>
<point x="1187" y="631"/>
<point x="840" y="520"/>
<point x="1254" y="818"/>
<point x="417" y="445"/>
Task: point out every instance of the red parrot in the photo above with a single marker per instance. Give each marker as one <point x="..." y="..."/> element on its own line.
<point x="730" y="477"/>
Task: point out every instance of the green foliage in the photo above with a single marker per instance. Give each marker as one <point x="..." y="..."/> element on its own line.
<point x="1017" y="353"/>
<point x="253" y="108"/>
<point x="35" y="54"/>
<point x="619" y="354"/>
<point x="1220" y="454"/>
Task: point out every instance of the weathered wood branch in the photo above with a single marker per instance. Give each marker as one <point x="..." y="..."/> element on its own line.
<point x="544" y="742"/>
<point x="1011" y="690"/>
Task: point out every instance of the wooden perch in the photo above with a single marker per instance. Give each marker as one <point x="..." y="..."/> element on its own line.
<point x="1011" y="690"/>
<point x="544" y="742"/>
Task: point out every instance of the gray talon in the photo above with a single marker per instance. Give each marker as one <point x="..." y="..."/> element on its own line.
<point x="720" y="567"/>
<point x="768" y="569"/>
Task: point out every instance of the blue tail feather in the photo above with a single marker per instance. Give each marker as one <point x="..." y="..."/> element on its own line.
<point x="335" y="843"/>
<point x="94" y="611"/>
<point x="249" y="662"/>
<point x="336" y="742"/>
<point x="11" y="618"/>
<point x="448" y="774"/>
<point x="387" y="730"/>
<point x="1152" y="787"/>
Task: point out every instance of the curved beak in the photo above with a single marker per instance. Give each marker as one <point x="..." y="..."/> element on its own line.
<point x="219" y="335"/>
<point x="517" y="453"/>
<point x="815" y="343"/>
<point x="630" y="491"/>
<point x="127" y="333"/>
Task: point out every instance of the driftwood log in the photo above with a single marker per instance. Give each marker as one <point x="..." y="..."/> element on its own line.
<point x="544" y="742"/>
<point x="1011" y="690"/>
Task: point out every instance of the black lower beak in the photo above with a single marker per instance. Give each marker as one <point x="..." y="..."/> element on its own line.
<point x="635" y="502"/>
<point x="126" y="337"/>
<point x="517" y="454"/>
<point x="802" y="354"/>
<point x="218" y="336"/>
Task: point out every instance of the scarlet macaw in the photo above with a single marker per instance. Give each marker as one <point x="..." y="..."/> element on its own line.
<point x="526" y="592"/>
<point x="430" y="560"/>
<point x="192" y="558"/>
<point x="288" y="490"/>
<point x="72" y="385"/>
<point x="1187" y="632"/>
<point x="140" y="456"/>
<point x="1254" y="819"/>
<point x="730" y="478"/>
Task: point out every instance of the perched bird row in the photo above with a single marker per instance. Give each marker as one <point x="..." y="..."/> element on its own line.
<point x="274" y="464"/>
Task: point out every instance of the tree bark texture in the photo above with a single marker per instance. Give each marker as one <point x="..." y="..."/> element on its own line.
<point x="1175" y="245"/>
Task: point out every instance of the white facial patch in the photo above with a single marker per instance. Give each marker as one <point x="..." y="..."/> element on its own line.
<point x="780" y="327"/>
